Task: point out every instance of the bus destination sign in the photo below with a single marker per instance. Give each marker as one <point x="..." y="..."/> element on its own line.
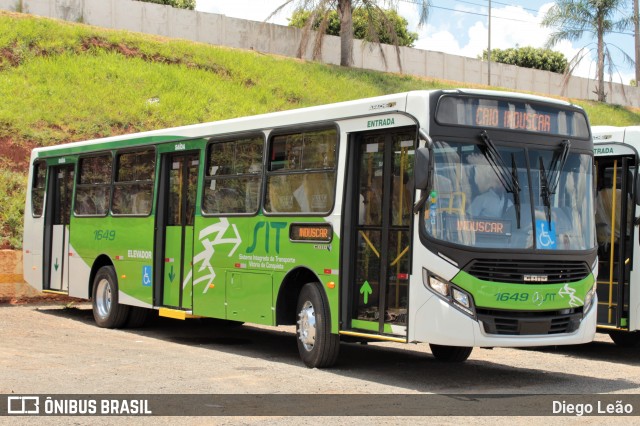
<point x="312" y="232"/>
<point x="517" y="120"/>
<point x="484" y="226"/>
<point x="512" y="114"/>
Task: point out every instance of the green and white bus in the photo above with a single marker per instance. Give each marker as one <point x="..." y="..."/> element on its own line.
<point x="356" y="221"/>
<point x="617" y="201"/>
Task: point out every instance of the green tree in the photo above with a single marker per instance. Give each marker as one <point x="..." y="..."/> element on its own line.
<point x="373" y="11"/>
<point x="180" y="4"/>
<point x="530" y="57"/>
<point x="361" y="24"/>
<point x="574" y="19"/>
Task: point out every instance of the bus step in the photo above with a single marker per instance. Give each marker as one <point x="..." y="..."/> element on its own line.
<point x="374" y="336"/>
<point x="174" y="313"/>
<point x="55" y="292"/>
<point x="610" y="327"/>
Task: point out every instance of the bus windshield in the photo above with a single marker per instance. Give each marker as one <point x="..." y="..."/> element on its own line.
<point x="516" y="198"/>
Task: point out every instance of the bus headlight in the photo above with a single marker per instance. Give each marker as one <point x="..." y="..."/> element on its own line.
<point x="462" y="301"/>
<point x="461" y="298"/>
<point x="456" y="296"/>
<point x="439" y="286"/>
<point x="432" y="283"/>
<point x="589" y="298"/>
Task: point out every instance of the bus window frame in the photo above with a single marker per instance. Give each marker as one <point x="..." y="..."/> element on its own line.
<point x="290" y="130"/>
<point x="35" y="180"/>
<point x="110" y="184"/>
<point x="212" y="140"/>
<point x="114" y="182"/>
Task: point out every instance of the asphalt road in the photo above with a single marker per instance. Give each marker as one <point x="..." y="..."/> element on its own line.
<point x="56" y="349"/>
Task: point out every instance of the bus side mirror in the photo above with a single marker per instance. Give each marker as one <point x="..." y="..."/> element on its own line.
<point x="422" y="168"/>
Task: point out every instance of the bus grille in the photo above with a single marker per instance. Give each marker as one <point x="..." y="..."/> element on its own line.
<point x="529" y="323"/>
<point x="528" y="271"/>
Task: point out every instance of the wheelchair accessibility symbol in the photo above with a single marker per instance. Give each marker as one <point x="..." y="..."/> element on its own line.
<point x="546" y="235"/>
<point x="146" y="276"/>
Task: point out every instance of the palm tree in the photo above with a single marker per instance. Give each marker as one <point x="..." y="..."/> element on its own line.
<point x="345" y="8"/>
<point x="574" y="19"/>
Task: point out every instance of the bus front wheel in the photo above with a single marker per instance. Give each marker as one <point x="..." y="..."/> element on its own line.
<point x="450" y="353"/>
<point x="107" y="312"/>
<point x="317" y="346"/>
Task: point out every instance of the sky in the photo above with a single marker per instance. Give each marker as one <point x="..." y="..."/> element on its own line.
<point x="461" y="28"/>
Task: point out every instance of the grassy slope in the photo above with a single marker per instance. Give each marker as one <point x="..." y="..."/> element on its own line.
<point x="63" y="82"/>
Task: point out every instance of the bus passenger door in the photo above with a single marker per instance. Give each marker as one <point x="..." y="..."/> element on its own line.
<point x="380" y="238"/>
<point x="179" y="188"/>
<point x="614" y="231"/>
<point x="57" y="229"/>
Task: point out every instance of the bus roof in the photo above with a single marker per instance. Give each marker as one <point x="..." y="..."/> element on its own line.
<point x="341" y="110"/>
<point x="322" y="113"/>
<point x="629" y="135"/>
<point x="515" y="95"/>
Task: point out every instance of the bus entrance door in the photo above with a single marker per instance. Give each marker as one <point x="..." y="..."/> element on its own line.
<point x="57" y="229"/>
<point x="180" y="189"/>
<point x="614" y="227"/>
<point x="381" y="235"/>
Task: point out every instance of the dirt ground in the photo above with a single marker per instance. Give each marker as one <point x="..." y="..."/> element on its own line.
<point x="54" y="347"/>
<point x="49" y="344"/>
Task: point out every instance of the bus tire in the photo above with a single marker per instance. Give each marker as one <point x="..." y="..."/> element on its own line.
<point x="450" y="353"/>
<point x="137" y="317"/>
<point x="625" y="339"/>
<point x="317" y="346"/>
<point x="107" y="312"/>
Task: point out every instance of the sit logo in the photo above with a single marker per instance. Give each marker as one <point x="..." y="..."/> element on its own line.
<point x="267" y="233"/>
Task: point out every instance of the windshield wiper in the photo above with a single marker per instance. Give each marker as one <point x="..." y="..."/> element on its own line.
<point x="551" y="178"/>
<point x="557" y="164"/>
<point x="516" y="194"/>
<point x="508" y="179"/>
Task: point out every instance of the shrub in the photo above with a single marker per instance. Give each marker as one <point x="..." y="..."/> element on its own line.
<point x="12" y="193"/>
<point x="530" y="57"/>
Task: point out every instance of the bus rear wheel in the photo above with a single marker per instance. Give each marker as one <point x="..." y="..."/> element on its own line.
<point x="625" y="339"/>
<point x="450" y="353"/>
<point x="107" y="311"/>
<point x="317" y="346"/>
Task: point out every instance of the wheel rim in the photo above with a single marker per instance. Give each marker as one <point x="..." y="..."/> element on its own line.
<point x="307" y="326"/>
<point x="103" y="298"/>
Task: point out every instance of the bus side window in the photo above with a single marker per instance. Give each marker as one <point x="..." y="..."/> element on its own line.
<point x="301" y="172"/>
<point x="286" y="194"/>
<point x="37" y="188"/>
<point x="233" y="177"/>
<point x="93" y="187"/>
<point x="319" y="190"/>
<point x="133" y="188"/>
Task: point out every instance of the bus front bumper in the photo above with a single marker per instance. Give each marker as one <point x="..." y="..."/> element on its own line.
<point x="438" y="322"/>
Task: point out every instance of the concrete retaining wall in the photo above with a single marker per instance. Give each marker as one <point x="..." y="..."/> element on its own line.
<point x="270" y="38"/>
